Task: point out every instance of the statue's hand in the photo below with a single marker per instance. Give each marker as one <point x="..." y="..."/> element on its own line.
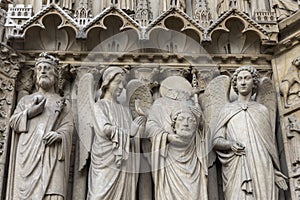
<point x="136" y="124"/>
<point x="238" y="148"/>
<point x="196" y="110"/>
<point x="280" y="181"/>
<point x="174" y="139"/>
<point x="37" y="107"/>
<point x="52" y="137"/>
<point x="140" y="120"/>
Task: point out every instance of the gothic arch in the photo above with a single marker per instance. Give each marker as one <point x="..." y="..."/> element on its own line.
<point x="174" y="14"/>
<point x="248" y="23"/>
<point x="50" y="34"/>
<point x="99" y="21"/>
<point x="234" y="38"/>
<point x="52" y="9"/>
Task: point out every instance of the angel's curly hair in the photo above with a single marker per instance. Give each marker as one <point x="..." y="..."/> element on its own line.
<point x="253" y="73"/>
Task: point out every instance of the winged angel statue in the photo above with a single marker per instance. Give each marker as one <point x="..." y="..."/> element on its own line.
<point x="243" y="134"/>
<point x="108" y="132"/>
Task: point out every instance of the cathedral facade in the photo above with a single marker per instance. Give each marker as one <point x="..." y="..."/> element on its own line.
<point x="152" y="40"/>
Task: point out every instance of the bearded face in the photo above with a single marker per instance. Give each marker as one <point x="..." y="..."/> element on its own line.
<point x="45" y="76"/>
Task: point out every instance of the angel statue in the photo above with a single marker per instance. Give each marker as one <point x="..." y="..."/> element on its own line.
<point x="178" y="143"/>
<point x="107" y="131"/>
<point x="244" y="139"/>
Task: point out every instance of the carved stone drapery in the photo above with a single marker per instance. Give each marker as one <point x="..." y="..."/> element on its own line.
<point x="240" y="36"/>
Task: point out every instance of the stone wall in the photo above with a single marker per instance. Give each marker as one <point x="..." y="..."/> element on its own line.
<point x="153" y="40"/>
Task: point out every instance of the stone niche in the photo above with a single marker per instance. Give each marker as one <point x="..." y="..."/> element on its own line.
<point x="201" y="43"/>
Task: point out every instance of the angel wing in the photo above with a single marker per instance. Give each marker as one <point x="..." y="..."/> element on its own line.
<point x="85" y="107"/>
<point x="216" y="95"/>
<point x="266" y="95"/>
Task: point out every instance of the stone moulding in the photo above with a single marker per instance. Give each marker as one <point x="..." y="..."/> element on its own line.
<point x="250" y="25"/>
<point x="189" y="23"/>
<point x="98" y="21"/>
<point x="143" y="31"/>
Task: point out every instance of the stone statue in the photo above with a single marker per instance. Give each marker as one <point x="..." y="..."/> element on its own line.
<point x="285" y="8"/>
<point x="245" y="143"/>
<point x="42" y="138"/>
<point x="289" y="86"/>
<point x="180" y="174"/>
<point x="114" y="164"/>
<point x="173" y="90"/>
<point x="187" y="141"/>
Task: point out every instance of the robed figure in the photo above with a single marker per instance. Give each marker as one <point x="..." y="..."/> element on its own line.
<point x="178" y="157"/>
<point x="113" y="171"/>
<point x="42" y="138"/>
<point x="245" y="144"/>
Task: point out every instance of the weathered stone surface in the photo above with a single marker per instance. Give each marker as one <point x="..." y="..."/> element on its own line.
<point x="200" y="41"/>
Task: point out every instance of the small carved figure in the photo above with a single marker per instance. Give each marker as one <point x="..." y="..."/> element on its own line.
<point x="168" y="168"/>
<point x="42" y="139"/>
<point x="294" y="136"/>
<point x="245" y="143"/>
<point x="291" y="78"/>
<point x="114" y="164"/>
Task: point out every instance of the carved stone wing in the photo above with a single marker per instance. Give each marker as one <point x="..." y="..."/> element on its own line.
<point x="85" y="103"/>
<point x="266" y="95"/>
<point x="216" y="95"/>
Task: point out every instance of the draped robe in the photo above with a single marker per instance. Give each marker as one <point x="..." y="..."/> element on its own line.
<point x="178" y="172"/>
<point x="39" y="170"/>
<point x="106" y="180"/>
<point x="250" y="176"/>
